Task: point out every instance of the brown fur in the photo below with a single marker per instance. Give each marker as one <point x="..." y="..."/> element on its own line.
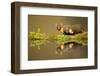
<point x="75" y="29"/>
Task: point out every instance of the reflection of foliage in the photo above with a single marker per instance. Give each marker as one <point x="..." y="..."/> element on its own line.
<point x="37" y="43"/>
<point x="81" y="38"/>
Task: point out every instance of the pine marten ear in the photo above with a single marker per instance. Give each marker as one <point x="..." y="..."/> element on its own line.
<point x="59" y="26"/>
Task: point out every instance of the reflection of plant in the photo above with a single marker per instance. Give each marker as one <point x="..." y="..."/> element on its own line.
<point x="38" y="43"/>
<point x="81" y="38"/>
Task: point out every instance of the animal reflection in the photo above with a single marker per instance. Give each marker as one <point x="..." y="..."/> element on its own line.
<point x="62" y="48"/>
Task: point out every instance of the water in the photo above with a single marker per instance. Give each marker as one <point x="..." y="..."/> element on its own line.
<point x="52" y="50"/>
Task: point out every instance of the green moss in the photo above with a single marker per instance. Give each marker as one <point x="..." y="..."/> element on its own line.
<point x="78" y="38"/>
<point x="37" y="36"/>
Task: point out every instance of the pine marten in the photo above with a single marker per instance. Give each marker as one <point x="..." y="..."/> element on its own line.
<point x="69" y="29"/>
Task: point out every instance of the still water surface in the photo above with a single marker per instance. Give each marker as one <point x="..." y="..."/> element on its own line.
<point x="52" y="50"/>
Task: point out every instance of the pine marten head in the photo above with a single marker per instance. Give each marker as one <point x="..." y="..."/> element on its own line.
<point x="60" y="27"/>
